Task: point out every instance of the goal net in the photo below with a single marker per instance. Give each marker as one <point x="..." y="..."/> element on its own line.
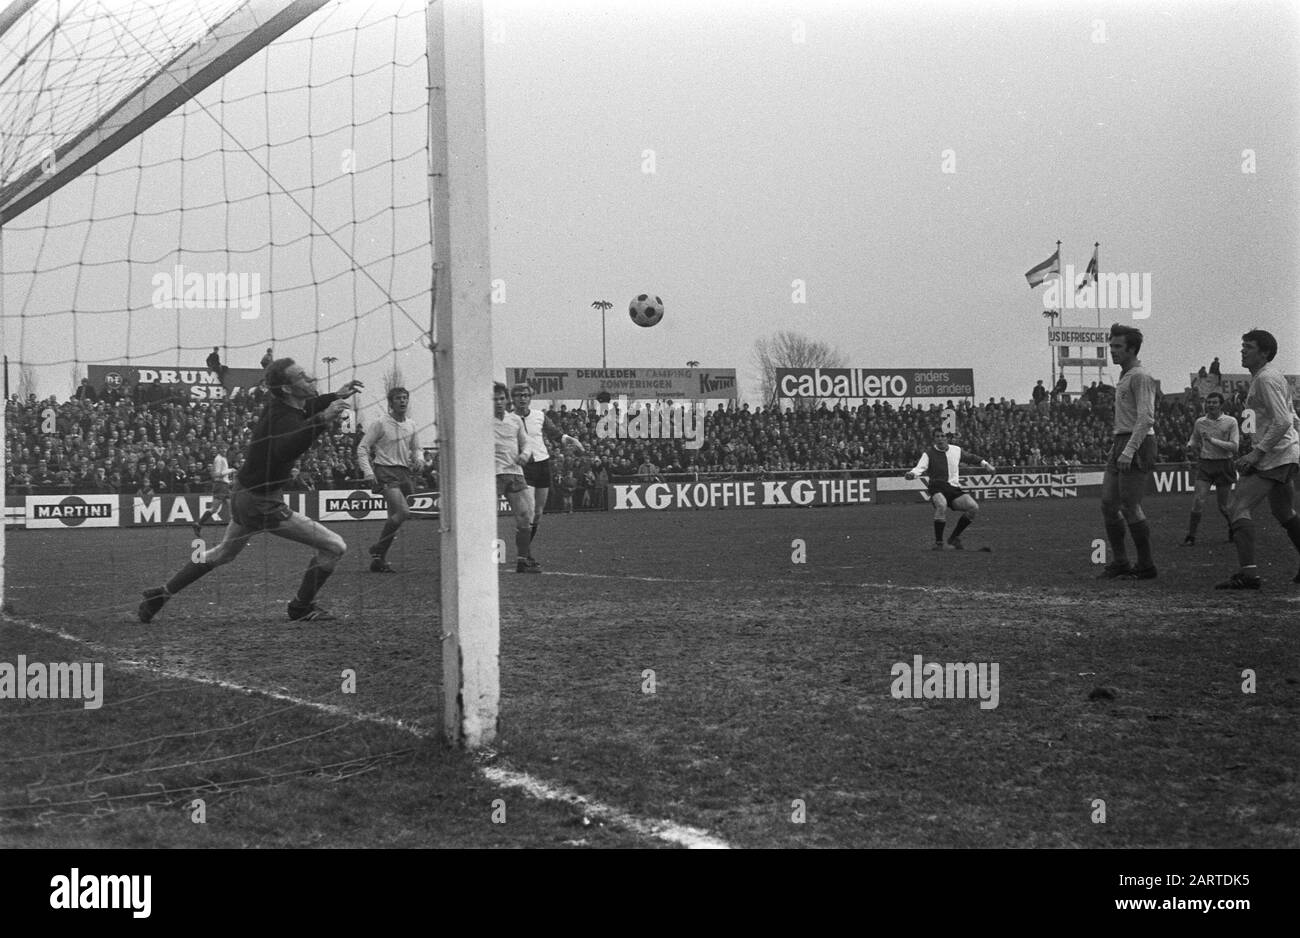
<point x="185" y="189"/>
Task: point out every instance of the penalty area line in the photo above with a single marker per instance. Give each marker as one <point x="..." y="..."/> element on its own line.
<point x="678" y="834"/>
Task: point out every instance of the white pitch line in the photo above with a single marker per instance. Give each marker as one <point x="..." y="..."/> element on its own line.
<point x="955" y="590"/>
<point x="668" y="831"/>
<point x="1031" y="594"/>
<point x="679" y="834"/>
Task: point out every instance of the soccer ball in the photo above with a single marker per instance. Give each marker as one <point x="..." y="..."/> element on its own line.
<point x="646" y="310"/>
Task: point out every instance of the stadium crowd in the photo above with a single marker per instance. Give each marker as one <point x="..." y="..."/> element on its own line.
<point x="154" y="445"/>
<point x="157" y="444"/>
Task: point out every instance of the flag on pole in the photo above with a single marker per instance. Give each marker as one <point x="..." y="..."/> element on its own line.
<point x="1036" y="275"/>
<point x="1089" y="275"/>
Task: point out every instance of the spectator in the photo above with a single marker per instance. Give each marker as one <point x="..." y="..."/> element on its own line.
<point x="299" y="481"/>
<point x="568" y="485"/>
<point x="86" y="391"/>
<point x="214" y="364"/>
<point x="647" y="470"/>
<point x="267" y="359"/>
<point x="1059" y="391"/>
<point x="1214" y="367"/>
<point x="100" y="482"/>
<point x="1040" y="396"/>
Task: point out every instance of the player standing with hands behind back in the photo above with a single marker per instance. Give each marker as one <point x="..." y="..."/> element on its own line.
<point x="295" y="416"/>
<point x="1214" y="441"/>
<point x="1132" y="456"/>
<point x="396" y="445"/>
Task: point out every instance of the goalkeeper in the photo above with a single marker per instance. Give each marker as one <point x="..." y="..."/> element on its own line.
<point x="295" y="416"/>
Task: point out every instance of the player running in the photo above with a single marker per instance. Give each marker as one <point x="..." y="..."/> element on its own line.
<point x="511" y="456"/>
<point x="537" y="470"/>
<point x="1132" y="456"/>
<point x="295" y="416"/>
<point x="941" y="462"/>
<point x="221" y="475"/>
<point x="396" y="445"/>
<point x="1214" y="441"/>
<point x="1269" y="470"/>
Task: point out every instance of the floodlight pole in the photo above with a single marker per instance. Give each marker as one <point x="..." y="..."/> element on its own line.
<point x="461" y="325"/>
<point x="604" y="306"/>
<point x="1052" y="315"/>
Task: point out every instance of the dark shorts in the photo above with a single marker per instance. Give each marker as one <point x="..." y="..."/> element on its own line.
<point x="538" y="474"/>
<point x="395" y="476"/>
<point x="258" y="512"/>
<point x="950" y="492"/>
<point x="508" y="483"/>
<point x="221" y="491"/>
<point x="1216" y="472"/>
<point x="1284" y="475"/>
<point x="1144" y="459"/>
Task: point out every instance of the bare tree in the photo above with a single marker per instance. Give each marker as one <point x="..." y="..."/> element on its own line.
<point x="790" y="350"/>
<point x="76" y="376"/>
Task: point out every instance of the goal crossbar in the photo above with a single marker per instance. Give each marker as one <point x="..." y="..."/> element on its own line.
<point x="245" y="32"/>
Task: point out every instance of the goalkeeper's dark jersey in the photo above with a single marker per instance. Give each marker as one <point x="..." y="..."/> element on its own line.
<point x="282" y="434"/>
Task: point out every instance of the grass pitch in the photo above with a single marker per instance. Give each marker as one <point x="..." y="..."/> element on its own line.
<point x="679" y="666"/>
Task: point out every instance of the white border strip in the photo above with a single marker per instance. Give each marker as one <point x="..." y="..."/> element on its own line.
<point x="668" y="831"/>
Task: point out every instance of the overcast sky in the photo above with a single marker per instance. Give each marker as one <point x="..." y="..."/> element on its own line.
<point x="729" y="157"/>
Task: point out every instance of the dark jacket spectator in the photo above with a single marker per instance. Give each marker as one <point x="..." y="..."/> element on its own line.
<point x="86" y="391"/>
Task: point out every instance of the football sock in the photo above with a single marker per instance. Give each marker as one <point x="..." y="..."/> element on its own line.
<point x="1115" y="534"/>
<point x="1243" y="531"/>
<point x="187" y="575"/>
<point x="962" y="524"/>
<point x="385" y="541"/>
<point x="1196" y="520"/>
<point x="312" y="581"/>
<point x="938" y="530"/>
<point x="1142" y="541"/>
<point x="533" y="533"/>
<point x="522" y="539"/>
<point x="1292" y="529"/>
